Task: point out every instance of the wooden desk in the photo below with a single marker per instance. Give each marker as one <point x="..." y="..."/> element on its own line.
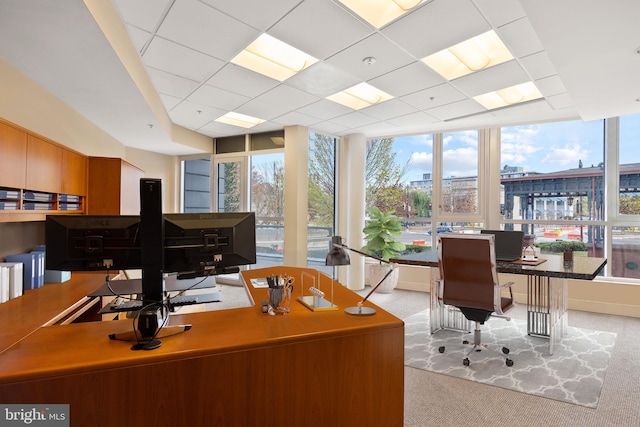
<point x="547" y="291"/>
<point x="236" y="367"/>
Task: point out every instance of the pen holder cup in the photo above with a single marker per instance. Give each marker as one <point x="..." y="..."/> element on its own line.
<point x="279" y="300"/>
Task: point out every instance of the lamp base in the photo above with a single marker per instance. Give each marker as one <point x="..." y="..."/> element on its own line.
<point x="360" y="311"/>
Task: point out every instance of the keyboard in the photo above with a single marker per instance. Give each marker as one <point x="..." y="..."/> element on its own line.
<point x="184" y="300"/>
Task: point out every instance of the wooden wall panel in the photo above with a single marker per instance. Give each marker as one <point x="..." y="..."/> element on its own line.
<point x="44" y="166"/>
<point x="74" y="173"/>
<point x="13" y="157"/>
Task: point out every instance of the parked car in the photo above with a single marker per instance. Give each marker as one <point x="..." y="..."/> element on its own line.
<point x="443" y="229"/>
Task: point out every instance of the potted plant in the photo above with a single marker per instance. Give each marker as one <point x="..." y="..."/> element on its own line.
<point x="381" y="234"/>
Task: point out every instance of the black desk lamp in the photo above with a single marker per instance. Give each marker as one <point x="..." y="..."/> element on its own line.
<point x="338" y="256"/>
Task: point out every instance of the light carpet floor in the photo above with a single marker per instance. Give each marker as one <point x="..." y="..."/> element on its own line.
<point x="574" y="373"/>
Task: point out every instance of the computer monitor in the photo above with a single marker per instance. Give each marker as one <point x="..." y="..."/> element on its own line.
<point x="508" y="244"/>
<point x="92" y="242"/>
<point x="200" y="244"/>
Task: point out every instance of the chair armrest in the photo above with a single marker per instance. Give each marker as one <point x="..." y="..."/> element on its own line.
<point x="506" y="285"/>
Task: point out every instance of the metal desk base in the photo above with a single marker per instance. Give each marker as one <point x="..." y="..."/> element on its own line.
<point x="443" y="316"/>
<point x="547" y="308"/>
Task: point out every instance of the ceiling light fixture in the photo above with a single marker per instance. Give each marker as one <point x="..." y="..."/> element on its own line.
<point x="360" y="96"/>
<point x="380" y="12"/>
<point x="477" y="53"/>
<point x="240" y="120"/>
<point x="273" y="58"/>
<point x="509" y="96"/>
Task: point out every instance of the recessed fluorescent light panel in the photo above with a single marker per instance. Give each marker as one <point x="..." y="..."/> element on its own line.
<point x="360" y="96"/>
<point x="475" y="54"/>
<point x="380" y="12"/>
<point x="240" y="120"/>
<point x="509" y="96"/>
<point x="271" y="57"/>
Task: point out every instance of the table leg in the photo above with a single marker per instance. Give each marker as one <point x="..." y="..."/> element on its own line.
<point x="547" y="308"/>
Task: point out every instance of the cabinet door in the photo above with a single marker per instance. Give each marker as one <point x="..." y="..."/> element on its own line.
<point x="74" y="173"/>
<point x="44" y="166"/>
<point x="13" y="157"/>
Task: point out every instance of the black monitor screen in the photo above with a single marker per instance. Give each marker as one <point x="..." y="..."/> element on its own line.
<point x="207" y="243"/>
<point x="92" y="242"/>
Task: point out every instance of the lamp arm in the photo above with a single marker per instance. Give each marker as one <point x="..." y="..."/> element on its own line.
<point x="340" y="245"/>
<point x="393" y="266"/>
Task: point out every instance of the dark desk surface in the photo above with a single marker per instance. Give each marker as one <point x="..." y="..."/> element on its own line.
<point x="585" y="268"/>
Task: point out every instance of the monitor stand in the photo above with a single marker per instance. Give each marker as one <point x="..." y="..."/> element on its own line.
<point x="152" y="325"/>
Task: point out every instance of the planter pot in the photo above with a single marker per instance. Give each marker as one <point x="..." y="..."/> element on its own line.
<point x="377" y="272"/>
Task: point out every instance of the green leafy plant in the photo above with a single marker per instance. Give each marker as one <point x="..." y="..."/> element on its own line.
<point x="381" y="234"/>
<point x="562" y="246"/>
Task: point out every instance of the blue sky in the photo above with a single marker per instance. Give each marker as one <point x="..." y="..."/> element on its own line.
<point x="543" y="148"/>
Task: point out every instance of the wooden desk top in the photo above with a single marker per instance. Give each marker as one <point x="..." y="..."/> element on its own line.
<point x="29" y="351"/>
<point x="585" y="268"/>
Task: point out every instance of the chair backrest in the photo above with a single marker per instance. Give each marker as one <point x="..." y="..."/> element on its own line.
<point x="467" y="265"/>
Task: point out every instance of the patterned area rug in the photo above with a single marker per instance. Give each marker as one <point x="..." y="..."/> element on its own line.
<point x="573" y="374"/>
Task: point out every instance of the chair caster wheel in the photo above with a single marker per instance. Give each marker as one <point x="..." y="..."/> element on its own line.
<point x="465" y="342"/>
<point x="441" y="349"/>
<point x="465" y="362"/>
<point x="509" y="362"/>
<point x="505" y="350"/>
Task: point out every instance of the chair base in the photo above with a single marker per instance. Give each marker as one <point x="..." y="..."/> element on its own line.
<point x="477" y="347"/>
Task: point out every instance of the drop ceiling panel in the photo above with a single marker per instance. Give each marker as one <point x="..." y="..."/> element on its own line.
<point x="387" y="57"/>
<point x="409" y="79"/>
<point x="494" y="78"/>
<point x="218" y="98"/>
<point x="287" y="97"/>
<point x="204" y="29"/>
<point x="320" y="28"/>
<point x="456" y="109"/>
<point x="429" y="29"/>
<point x="192" y="115"/>
<point x="500" y="12"/>
<point x="170" y="84"/>
<point x="538" y="65"/>
<point x="550" y="86"/>
<point x="389" y="109"/>
<point x="240" y="80"/>
<point x="259" y="14"/>
<point x="144" y="14"/>
<point x="261" y="110"/>
<point x="176" y="59"/>
<point x="434" y="97"/>
<point x="520" y="38"/>
<point x="325" y="109"/>
<point x="322" y="79"/>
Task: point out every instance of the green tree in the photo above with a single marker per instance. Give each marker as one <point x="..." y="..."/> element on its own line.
<point x="267" y="190"/>
<point x="421" y="203"/>
<point x="630" y="205"/>
<point x="231" y="173"/>
<point x="321" y="179"/>
<point x="383" y="176"/>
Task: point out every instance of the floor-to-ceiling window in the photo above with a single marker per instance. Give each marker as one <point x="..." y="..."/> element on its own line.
<point x="552" y="184"/>
<point x="625" y="232"/>
<point x="322" y="201"/>
<point x="399" y="177"/>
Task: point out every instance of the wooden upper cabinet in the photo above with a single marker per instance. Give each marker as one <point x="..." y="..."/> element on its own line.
<point x="74" y="173"/>
<point x="44" y="166"/>
<point x="13" y="157"/>
<point x="114" y="187"/>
